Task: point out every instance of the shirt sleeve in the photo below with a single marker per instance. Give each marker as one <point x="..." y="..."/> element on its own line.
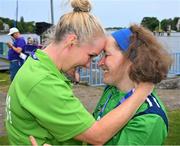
<point x="20" y="43"/>
<point x="55" y="107"/>
<point x="148" y="129"/>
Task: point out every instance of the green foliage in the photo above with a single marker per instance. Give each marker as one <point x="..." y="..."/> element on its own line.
<point x="7" y="21"/>
<point x="150" y="22"/>
<point x="24" y="27"/>
<point x="174" y="128"/>
<point x="174" y="23"/>
<point x="1" y="24"/>
<point x="165" y="23"/>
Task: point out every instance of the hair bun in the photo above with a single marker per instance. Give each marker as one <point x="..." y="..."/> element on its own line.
<point x="81" y="5"/>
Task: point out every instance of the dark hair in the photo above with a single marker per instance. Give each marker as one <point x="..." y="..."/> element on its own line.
<point x="150" y="61"/>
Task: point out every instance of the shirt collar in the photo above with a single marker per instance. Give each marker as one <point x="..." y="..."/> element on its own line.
<point x="43" y="57"/>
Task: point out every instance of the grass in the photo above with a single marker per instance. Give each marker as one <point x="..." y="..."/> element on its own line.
<point x="174" y="118"/>
<point x="174" y="128"/>
<point x="4" y="140"/>
<point x="4" y="79"/>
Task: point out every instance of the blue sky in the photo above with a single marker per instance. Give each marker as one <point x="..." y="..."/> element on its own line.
<point x="110" y="12"/>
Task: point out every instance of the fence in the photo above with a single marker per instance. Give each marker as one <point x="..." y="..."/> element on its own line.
<point x="94" y="75"/>
<point x="3" y="50"/>
<point x="175" y="68"/>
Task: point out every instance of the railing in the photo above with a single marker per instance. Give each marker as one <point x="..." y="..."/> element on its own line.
<point x="3" y="50"/>
<point x="94" y="75"/>
<point x="175" y="68"/>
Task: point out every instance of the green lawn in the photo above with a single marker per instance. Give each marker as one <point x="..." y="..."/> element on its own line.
<point x="4" y="140"/>
<point x="174" y="128"/>
<point x="4" y="78"/>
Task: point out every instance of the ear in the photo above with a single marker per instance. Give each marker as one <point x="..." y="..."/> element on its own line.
<point x="70" y="40"/>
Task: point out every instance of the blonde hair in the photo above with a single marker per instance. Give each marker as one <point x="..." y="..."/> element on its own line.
<point x="79" y="22"/>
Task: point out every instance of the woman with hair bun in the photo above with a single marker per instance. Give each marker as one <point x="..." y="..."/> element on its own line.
<point x="40" y="100"/>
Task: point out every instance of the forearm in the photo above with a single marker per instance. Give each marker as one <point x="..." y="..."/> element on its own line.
<point x="17" y="49"/>
<point x="110" y="124"/>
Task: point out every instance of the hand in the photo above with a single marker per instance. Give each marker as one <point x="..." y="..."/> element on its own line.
<point x="9" y="44"/>
<point x="145" y="86"/>
<point x="71" y="73"/>
<point x="34" y="143"/>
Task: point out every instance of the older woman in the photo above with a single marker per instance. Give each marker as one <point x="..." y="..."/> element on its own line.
<point x="134" y="55"/>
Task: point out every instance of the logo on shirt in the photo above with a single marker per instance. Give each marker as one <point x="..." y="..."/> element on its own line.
<point x="8" y="107"/>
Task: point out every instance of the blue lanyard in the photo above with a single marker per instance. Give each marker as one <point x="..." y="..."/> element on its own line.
<point x="120" y="102"/>
<point x="103" y="108"/>
<point x="33" y="55"/>
<point x="125" y="97"/>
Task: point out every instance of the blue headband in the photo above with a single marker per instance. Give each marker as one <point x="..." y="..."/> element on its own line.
<point x="122" y="38"/>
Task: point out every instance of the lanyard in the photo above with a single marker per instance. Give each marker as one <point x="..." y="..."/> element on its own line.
<point x="125" y="97"/>
<point x="33" y="55"/>
<point x="120" y="102"/>
<point x="103" y="108"/>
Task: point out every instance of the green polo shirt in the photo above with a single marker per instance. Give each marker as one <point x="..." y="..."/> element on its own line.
<point x="40" y="102"/>
<point x="148" y="129"/>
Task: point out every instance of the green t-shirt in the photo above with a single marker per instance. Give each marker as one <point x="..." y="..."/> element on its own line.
<point x="148" y="129"/>
<point x="40" y="102"/>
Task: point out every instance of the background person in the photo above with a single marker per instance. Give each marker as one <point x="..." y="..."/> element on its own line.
<point x="32" y="46"/>
<point x="134" y="55"/>
<point x="30" y="41"/>
<point x="46" y="107"/>
<point x="15" y="50"/>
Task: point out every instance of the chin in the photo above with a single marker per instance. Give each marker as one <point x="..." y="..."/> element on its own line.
<point x="107" y="81"/>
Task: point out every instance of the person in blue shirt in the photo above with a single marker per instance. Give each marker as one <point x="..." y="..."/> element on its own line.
<point x="15" y="53"/>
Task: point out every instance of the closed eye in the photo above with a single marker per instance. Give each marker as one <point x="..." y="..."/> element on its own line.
<point x="106" y="54"/>
<point x="93" y="55"/>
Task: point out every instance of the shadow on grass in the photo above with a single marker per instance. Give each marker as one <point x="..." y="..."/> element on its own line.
<point x="4" y="140"/>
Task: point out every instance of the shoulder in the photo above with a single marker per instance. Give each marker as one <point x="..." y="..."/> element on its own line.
<point x="20" y="41"/>
<point x="108" y="88"/>
<point x="145" y="129"/>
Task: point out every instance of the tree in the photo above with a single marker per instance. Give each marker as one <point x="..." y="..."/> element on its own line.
<point x="165" y="23"/>
<point x="174" y="23"/>
<point x="1" y="25"/>
<point x="30" y="26"/>
<point x="24" y="27"/>
<point x="150" y="22"/>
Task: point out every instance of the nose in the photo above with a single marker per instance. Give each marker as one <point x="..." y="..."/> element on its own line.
<point x="101" y="61"/>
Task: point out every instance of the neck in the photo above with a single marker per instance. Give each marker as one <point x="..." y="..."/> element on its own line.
<point x="125" y="85"/>
<point x="55" y="53"/>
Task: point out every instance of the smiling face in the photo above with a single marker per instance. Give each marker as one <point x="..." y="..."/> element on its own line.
<point x="114" y="64"/>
